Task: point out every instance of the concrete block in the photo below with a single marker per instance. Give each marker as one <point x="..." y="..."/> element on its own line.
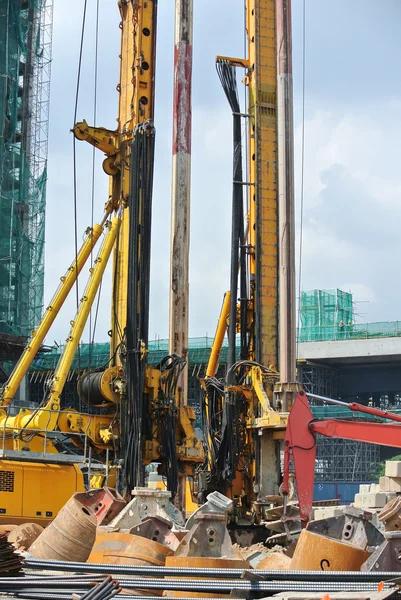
<point x="390" y="484"/>
<point x="393" y="468"/>
<point x="384" y="484"/>
<point x="374" y="487"/>
<point x="371" y="500"/>
<point x="327" y="512"/>
<point x="364" y="488"/>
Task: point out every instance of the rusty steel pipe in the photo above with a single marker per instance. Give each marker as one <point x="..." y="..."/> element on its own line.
<point x="181" y="183"/>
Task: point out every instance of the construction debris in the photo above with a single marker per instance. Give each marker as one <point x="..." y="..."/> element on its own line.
<point x="156" y="553"/>
<point x="391" y="515"/>
<point x="24" y="535"/>
<point x="274" y="561"/>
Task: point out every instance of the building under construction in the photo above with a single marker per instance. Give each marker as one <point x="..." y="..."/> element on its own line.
<point x="25" y="61"/>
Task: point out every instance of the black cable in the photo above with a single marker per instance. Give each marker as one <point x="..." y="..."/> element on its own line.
<point x="116" y="275"/>
<point x="228" y="450"/>
<point x="74" y="156"/>
<point x="137" y="329"/>
<point x="171" y="368"/>
<point x="227" y="75"/>
<point x="92" y="335"/>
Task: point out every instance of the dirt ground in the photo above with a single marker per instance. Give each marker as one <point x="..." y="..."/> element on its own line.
<point x="260" y="547"/>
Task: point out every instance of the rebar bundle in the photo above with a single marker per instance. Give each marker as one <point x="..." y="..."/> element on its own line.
<point x="101" y="586"/>
<point x="10" y="562"/>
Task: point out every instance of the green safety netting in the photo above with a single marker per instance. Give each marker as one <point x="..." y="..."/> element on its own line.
<point x="97" y="355"/>
<point x="329" y="315"/>
<point x="327" y="312"/>
<point x="22" y="173"/>
<point x="321" y="314"/>
<point x="339" y="412"/>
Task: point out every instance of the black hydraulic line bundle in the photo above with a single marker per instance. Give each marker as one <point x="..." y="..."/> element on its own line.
<point x="227" y="75"/>
<point x="231" y="431"/>
<point x="171" y="367"/>
<point x="137" y="330"/>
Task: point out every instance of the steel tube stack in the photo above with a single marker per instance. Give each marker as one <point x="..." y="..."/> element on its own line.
<point x="285" y="148"/>
<point x="181" y="183"/>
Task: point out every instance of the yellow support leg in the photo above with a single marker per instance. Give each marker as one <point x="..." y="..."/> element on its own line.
<point x="47" y="417"/>
<point x="79" y="323"/>
<point x="67" y="281"/>
<point x="219" y="337"/>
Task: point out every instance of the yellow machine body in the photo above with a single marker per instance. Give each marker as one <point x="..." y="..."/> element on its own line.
<point x="35" y="492"/>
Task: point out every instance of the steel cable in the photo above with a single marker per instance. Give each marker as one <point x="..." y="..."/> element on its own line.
<point x="74" y="158"/>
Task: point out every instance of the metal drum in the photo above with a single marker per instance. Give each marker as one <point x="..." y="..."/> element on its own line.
<point x="319" y="553"/>
<point x="118" y="548"/>
<point x="70" y="536"/>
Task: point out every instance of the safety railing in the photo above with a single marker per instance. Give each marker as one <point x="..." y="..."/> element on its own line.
<point x="10" y="431"/>
<point x="349" y="331"/>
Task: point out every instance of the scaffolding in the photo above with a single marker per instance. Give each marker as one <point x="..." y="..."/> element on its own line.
<point x="326" y="315"/>
<point x="25" y="63"/>
<point x="319" y="379"/>
<point x="337" y="460"/>
<point x="343" y="461"/>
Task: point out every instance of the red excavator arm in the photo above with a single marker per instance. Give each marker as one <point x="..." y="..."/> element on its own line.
<point x="300" y="441"/>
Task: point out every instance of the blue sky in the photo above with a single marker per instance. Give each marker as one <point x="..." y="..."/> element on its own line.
<point x="352" y="207"/>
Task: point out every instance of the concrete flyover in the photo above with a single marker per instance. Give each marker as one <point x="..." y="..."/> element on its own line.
<point x="346" y="352"/>
<point x="360" y="369"/>
<point x="365" y="370"/>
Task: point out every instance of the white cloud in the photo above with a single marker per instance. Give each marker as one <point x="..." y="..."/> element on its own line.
<point x="352" y="183"/>
<point x="353" y="206"/>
